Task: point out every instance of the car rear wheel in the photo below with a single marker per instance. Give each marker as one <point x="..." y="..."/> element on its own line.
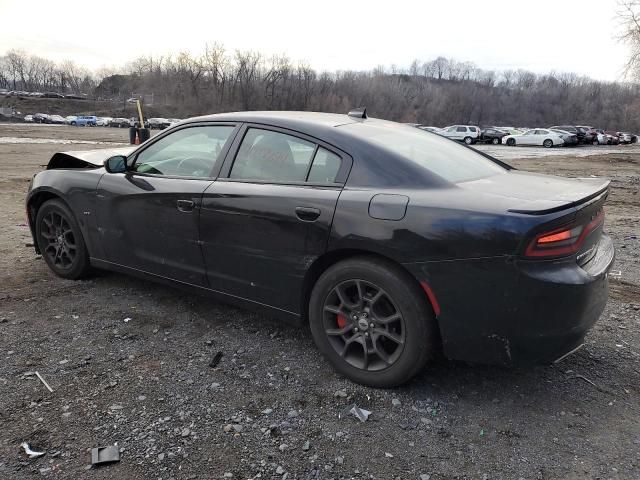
<point x="596" y="142"/>
<point x="495" y="141"/>
<point x="468" y="140"/>
<point x="60" y="240"/>
<point x="511" y="142"/>
<point x="548" y="143"/>
<point x="372" y="322"/>
<point x="73" y="123"/>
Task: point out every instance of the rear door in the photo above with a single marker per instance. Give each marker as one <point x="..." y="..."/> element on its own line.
<point x="268" y="216"/>
<point x="148" y="217"/>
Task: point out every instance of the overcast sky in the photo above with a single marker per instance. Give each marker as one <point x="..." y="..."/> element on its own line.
<point x="542" y="35"/>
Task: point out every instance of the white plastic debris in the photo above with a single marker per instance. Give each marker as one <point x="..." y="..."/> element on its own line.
<point x="360" y="413"/>
<point x="44" y="382"/>
<point x="31" y="453"/>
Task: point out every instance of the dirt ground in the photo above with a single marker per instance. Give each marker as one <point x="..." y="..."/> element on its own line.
<point x="270" y="409"/>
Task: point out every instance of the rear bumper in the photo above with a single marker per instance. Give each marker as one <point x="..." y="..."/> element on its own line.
<point x="501" y="311"/>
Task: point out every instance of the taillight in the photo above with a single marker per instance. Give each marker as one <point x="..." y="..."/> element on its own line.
<point x="562" y="241"/>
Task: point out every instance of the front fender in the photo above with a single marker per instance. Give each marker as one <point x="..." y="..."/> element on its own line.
<point x="77" y="189"/>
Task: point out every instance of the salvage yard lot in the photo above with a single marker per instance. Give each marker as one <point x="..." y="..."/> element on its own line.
<point x="270" y="408"/>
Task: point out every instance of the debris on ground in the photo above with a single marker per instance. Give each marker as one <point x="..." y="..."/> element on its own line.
<point x="360" y="413"/>
<point x="102" y="455"/>
<point x="215" y="360"/>
<point x="44" y="382"/>
<point x="29" y="452"/>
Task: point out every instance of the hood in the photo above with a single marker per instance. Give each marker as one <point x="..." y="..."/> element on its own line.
<point x="537" y="194"/>
<point x="86" y="158"/>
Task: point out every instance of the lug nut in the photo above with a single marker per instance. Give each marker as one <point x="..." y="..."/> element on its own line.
<point x="371" y="325"/>
<point x="355" y="329"/>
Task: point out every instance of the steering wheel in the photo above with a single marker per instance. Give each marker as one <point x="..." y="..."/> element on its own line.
<point x="192" y="165"/>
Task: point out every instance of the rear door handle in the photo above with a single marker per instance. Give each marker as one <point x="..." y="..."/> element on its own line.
<point x="307" y="214"/>
<point x="185" y="206"/>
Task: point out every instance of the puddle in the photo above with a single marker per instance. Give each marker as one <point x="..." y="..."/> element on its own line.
<point x="54" y="141"/>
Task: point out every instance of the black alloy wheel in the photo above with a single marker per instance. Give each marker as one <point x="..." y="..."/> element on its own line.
<point x="60" y="240"/>
<point x="363" y="325"/>
<point x="372" y="321"/>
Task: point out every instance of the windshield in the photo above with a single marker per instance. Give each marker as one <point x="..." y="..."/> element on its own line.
<point x="446" y="158"/>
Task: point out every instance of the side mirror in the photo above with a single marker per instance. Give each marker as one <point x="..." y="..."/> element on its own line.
<point x="116" y="164"/>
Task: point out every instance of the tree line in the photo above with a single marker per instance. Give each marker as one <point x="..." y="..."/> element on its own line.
<point x="437" y="92"/>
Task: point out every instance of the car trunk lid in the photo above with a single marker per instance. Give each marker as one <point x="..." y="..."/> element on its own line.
<point x="537" y="194"/>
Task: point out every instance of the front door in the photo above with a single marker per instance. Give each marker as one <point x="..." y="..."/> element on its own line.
<point x="268" y="218"/>
<point x="148" y="217"/>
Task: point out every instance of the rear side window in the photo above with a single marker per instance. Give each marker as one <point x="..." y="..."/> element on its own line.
<point x="461" y="129"/>
<point x="272" y="156"/>
<point x="276" y="157"/>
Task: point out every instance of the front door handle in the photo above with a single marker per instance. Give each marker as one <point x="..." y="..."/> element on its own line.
<point x="185" y="206"/>
<point x="307" y="214"/>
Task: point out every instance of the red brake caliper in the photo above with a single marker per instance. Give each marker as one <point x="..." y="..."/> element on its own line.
<point x="342" y="320"/>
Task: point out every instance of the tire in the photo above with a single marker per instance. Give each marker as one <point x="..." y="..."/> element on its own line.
<point x="496" y="141"/>
<point x="468" y="140"/>
<point x="60" y="240"/>
<point x="511" y="142"/>
<point x="548" y="143"/>
<point x="401" y="296"/>
<point x="73" y="123"/>
<point x="595" y="143"/>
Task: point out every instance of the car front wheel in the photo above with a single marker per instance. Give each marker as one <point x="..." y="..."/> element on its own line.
<point x="511" y="142"/>
<point x="547" y="143"/>
<point x="60" y="240"/>
<point x="468" y="140"/>
<point x="372" y="322"/>
<point x="495" y="141"/>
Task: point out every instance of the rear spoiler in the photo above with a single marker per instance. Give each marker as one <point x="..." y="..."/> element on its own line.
<point x="600" y="194"/>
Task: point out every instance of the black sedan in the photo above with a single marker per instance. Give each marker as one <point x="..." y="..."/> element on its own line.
<point x="492" y="135"/>
<point x="391" y="243"/>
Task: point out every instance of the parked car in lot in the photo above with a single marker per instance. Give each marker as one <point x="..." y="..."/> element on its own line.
<point x="158" y="123"/>
<point x="85" y="121"/>
<point x="390" y="244"/>
<point x="70" y="118"/>
<point x="120" y="122"/>
<point x="468" y="134"/>
<point x="40" y="118"/>
<point x="613" y="137"/>
<point x="538" y="136"/>
<point x="569" y="139"/>
<point x="578" y="132"/>
<point x="52" y="95"/>
<point x="55" y="119"/>
<point x="590" y="135"/>
<point x="492" y="135"/>
<point x="28" y="118"/>
<point x="103" y="121"/>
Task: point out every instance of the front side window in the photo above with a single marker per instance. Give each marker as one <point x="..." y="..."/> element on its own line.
<point x="189" y="152"/>
<point x="270" y="156"/>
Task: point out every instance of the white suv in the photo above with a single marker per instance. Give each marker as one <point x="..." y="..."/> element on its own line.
<point x="466" y="133"/>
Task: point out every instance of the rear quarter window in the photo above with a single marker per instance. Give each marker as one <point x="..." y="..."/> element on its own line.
<point x="443" y="157"/>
